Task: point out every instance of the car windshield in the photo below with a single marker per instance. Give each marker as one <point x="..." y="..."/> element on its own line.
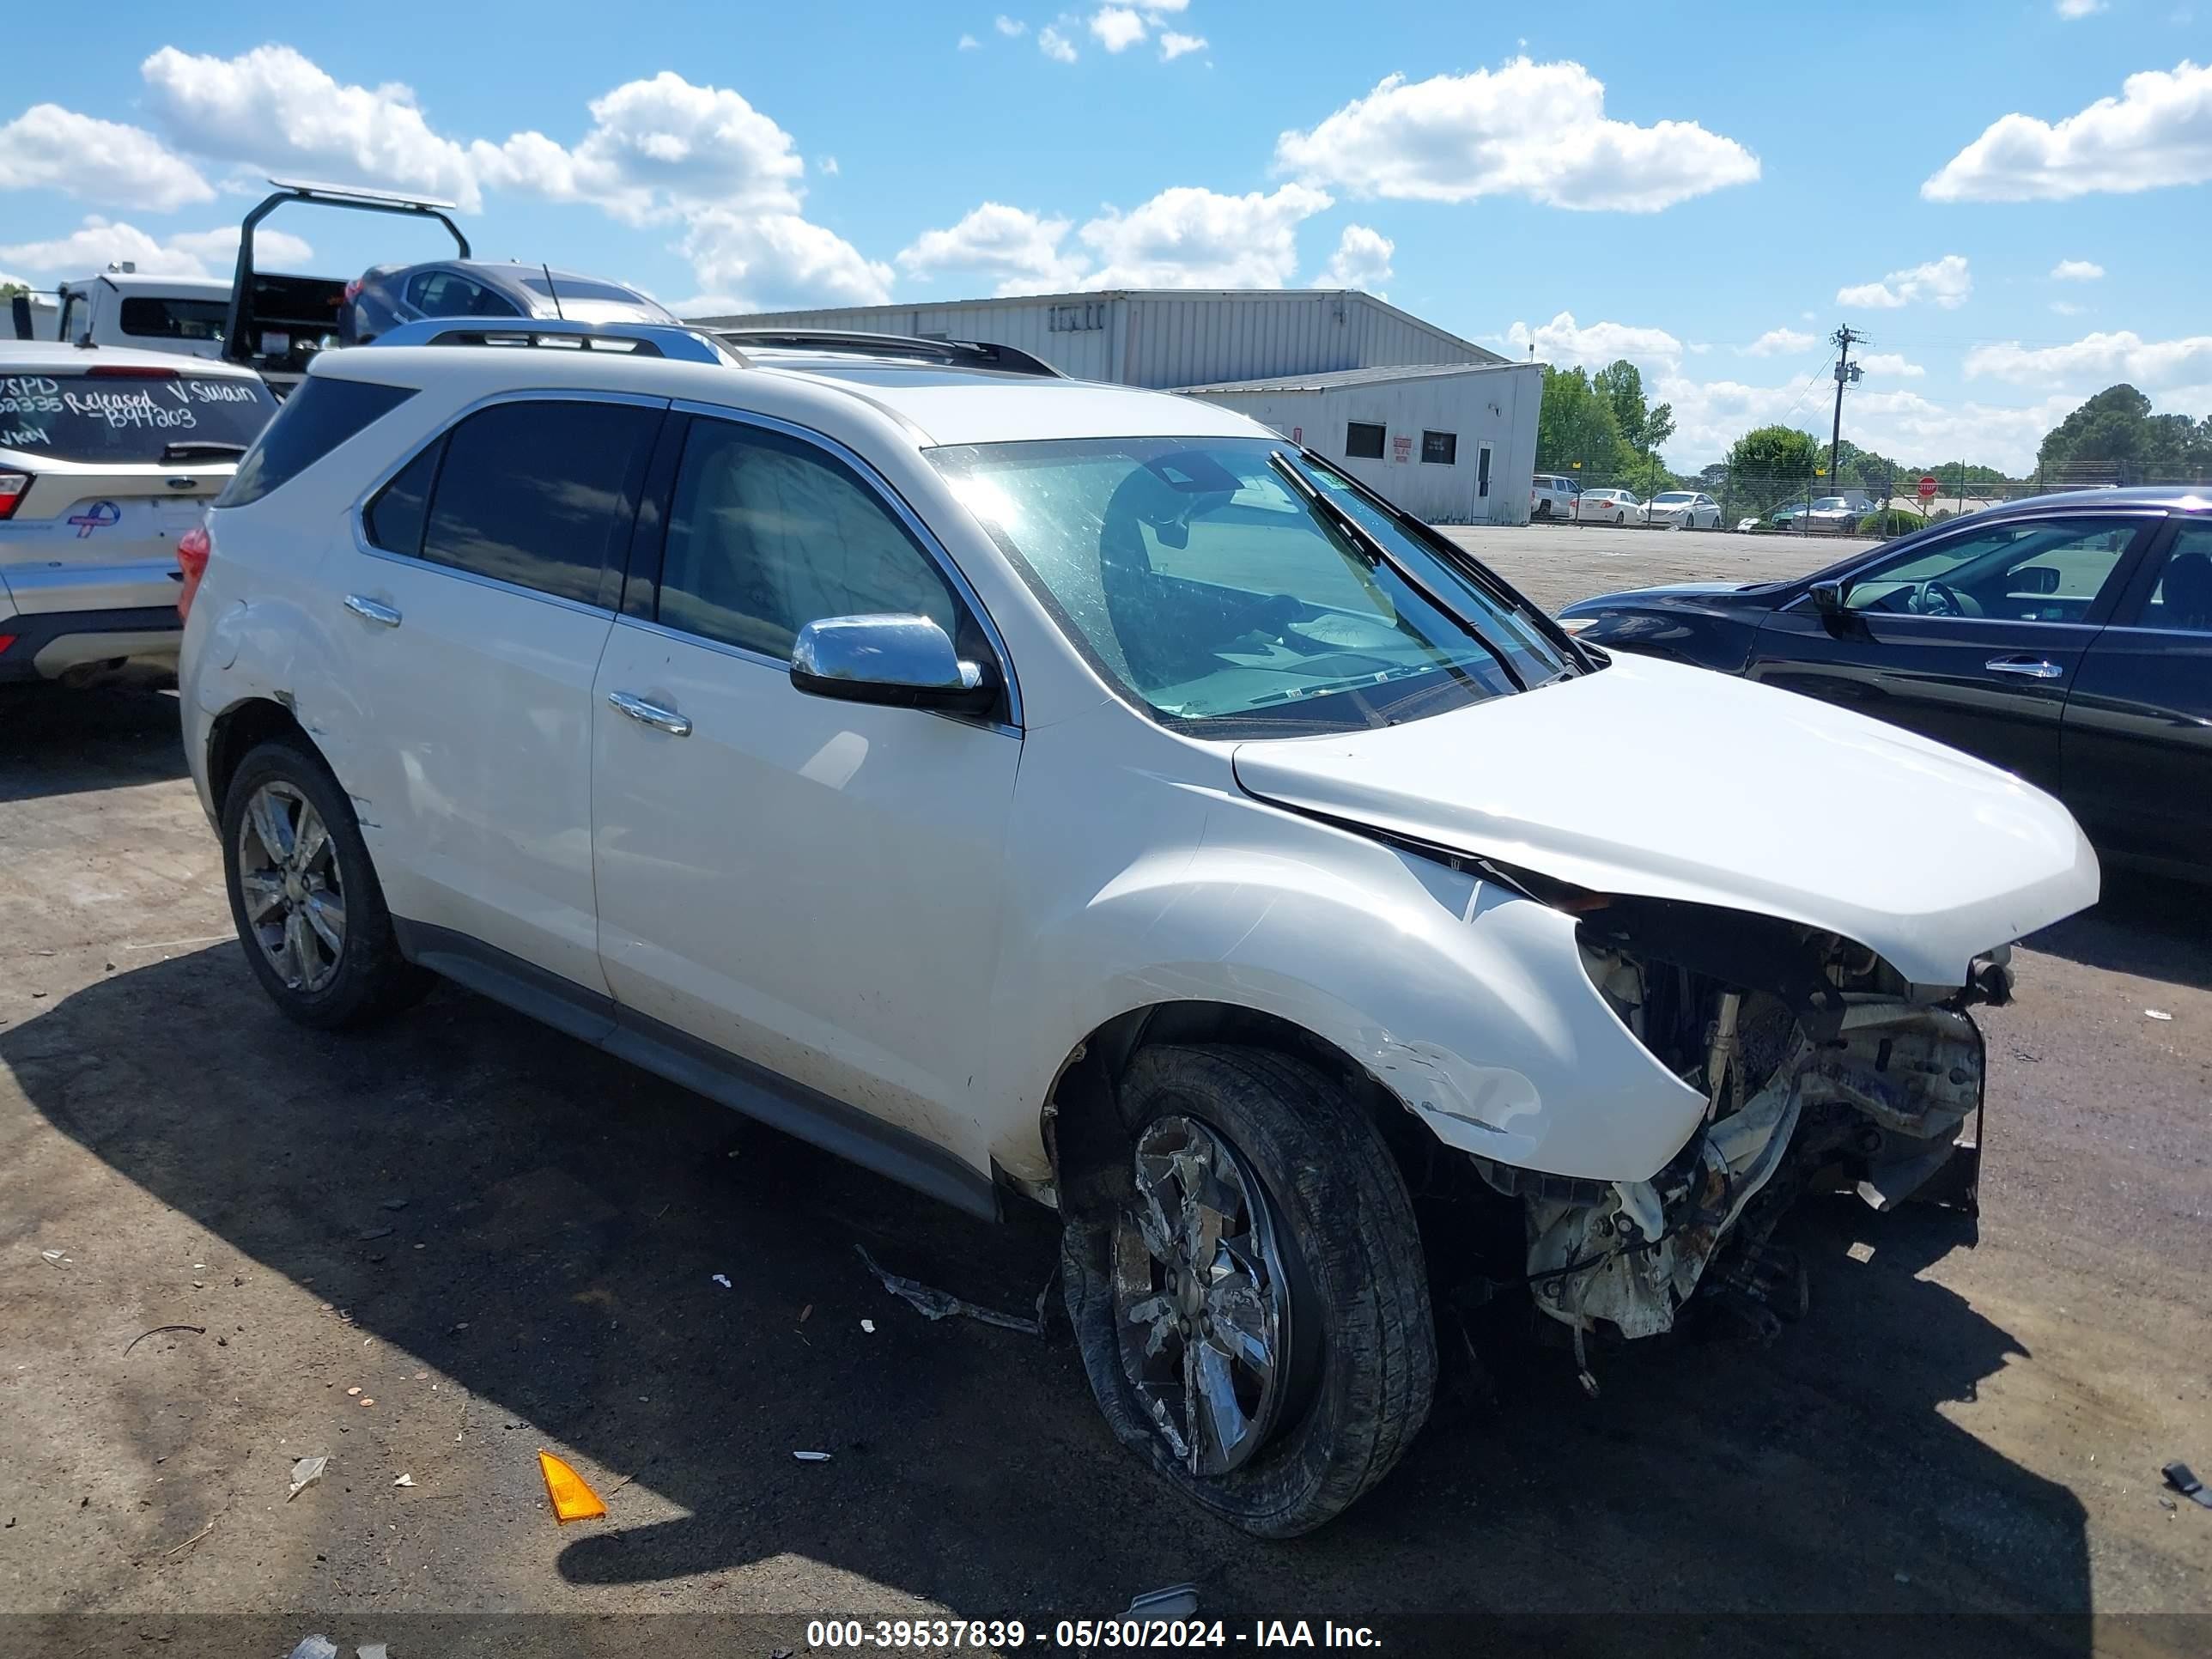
<point x="1828" y="503"/>
<point x="129" y="415"/>
<point x="1239" y="590"/>
<point x="1670" y="498"/>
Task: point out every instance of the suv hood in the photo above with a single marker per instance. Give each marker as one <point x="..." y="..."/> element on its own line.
<point x="1654" y="780"/>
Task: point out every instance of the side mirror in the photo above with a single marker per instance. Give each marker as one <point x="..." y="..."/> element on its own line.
<point x="907" y="662"/>
<point x="1829" y="599"/>
<point x="19" y="308"/>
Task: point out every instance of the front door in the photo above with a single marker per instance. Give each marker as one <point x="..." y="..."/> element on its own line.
<point x="812" y="886"/>
<point x="1973" y="639"/>
<point x="2138" y="735"/>
<point x="472" y="611"/>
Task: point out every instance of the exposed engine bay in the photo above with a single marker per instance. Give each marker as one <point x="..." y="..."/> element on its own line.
<point x="1821" y="1069"/>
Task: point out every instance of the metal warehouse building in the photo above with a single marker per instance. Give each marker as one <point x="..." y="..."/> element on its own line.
<point x="1437" y="423"/>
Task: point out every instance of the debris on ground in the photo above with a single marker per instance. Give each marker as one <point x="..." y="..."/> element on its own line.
<point x="811" y="1456"/>
<point x="869" y="1326"/>
<point x="2156" y="1014"/>
<point x="395" y="1203"/>
<point x="314" y="1647"/>
<point x="723" y="1279"/>
<point x="196" y="1330"/>
<point x="373" y="1234"/>
<point x="573" y="1499"/>
<point x="404" y="1480"/>
<point x="2184" y="1480"/>
<point x="1175" y="1601"/>
<point x="305" y="1474"/>
<point x="52" y="1258"/>
<point x="372" y="1650"/>
<point x="187" y="1544"/>
<point x="942" y="1304"/>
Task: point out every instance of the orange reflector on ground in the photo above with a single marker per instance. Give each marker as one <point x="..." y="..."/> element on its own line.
<point x="572" y="1499"/>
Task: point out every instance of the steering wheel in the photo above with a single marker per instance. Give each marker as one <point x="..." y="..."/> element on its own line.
<point x="1272" y="611"/>
<point x="1949" y="602"/>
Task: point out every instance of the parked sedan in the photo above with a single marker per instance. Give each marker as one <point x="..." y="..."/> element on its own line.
<point x="386" y="296"/>
<point x="2068" y="639"/>
<point x="1683" y="509"/>
<point x="1607" y="506"/>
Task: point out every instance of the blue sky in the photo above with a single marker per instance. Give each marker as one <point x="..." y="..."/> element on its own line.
<point x="1696" y="189"/>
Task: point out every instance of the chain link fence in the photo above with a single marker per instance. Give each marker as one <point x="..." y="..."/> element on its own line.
<point x="1867" y="502"/>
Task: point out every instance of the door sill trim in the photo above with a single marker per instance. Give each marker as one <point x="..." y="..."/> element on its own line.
<point x="779" y="1101"/>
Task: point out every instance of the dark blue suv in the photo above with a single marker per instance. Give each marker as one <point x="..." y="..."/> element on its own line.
<point x="387" y="295"/>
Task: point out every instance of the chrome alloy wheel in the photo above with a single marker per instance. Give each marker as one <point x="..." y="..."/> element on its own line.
<point x="288" y="880"/>
<point x="1201" y="1303"/>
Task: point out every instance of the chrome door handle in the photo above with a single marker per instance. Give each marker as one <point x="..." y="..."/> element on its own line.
<point x="2028" y="668"/>
<point x="372" y="609"/>
<point x="650" y="714"/>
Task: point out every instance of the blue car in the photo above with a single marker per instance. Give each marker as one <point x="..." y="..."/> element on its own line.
<point x="386" y="296"/>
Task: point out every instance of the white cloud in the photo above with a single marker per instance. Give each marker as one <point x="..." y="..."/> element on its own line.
<point x="2106" y="357"/>
<point x="2077" y="271"/>
<point x="1022" y="249"/>
<point x="1891" y="364"/>
<point x="969" y="43"/>
<point x="1945" y="282"/>
<point x="2073" y="9"/>
<point x="1055" y="45"/>
<point x="2157" y="131"/>
<point x="271" y="106"/>
<point x="99" y="242"/>
<point x="1192" y="238"/>
<point x="1781" y="340"/>
<point x="1174" y="45"/>
<point x="1527" y="129"/>
<point x="1010" y="26"/>
<point x="1362" y="260"/>
<point x="50" y="146"/>
<point x="1117" y="28"/>
<point x="2067" y="307"/>
<point x="772" y="261"/>
<point x="1565" y="343"/>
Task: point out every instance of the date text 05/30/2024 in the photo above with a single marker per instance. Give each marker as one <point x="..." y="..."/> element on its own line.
<point x="1085" y="1634"/>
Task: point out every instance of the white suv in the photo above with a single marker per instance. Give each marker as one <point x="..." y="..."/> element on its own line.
<point x="1021" y="785"/>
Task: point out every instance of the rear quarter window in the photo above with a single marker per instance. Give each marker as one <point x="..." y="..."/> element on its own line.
<point x="128" y="417"/>
<point x="322" y="414"/>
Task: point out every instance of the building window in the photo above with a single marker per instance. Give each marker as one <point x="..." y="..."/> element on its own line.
<point x="1442" y="447"/>
<point x="1077" y="319"/>
<point x="1363" y="442"/>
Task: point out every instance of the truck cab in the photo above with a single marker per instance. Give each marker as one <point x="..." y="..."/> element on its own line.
<point x="121" y="307"/>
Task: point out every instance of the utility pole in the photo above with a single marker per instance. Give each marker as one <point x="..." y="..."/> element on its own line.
<point x="1847" y="374"/>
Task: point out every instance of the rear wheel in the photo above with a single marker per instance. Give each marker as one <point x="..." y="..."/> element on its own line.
<point x="304" y="896"/>
<point x="1254" y="1314"/>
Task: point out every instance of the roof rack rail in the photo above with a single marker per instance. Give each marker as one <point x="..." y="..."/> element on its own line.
<point x="974" y="353"/>
<point x="678" y="343"/>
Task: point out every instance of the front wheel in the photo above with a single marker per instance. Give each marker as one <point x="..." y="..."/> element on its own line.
<point x="1254" y="1314"/>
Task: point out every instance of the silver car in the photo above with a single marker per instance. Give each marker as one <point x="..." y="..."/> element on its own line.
<point x="108" y="457"/>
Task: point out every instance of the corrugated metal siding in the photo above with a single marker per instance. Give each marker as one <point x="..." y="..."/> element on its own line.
<point x="1164" y="338"/>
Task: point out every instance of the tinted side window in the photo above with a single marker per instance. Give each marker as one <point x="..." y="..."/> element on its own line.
<point x="1363" y="442"/>
<point x="540" y="493"/>
<point x="2183" y="598"/>
<point x="320" y="416"/>
<point x="394" y="519"/>
<point x="767" y="533"/>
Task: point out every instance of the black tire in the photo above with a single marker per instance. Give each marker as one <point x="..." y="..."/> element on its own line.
<point x="371" y="980"/>
<point x="1363" y="1363"/>
<point x="1543" y="509"/>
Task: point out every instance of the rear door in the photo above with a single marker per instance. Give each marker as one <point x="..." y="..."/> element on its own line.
<point x="2137" y="746"/>
<point x="477" y="587"/>
<point x="111" y="463"/>
<point x="1972" y="638"/>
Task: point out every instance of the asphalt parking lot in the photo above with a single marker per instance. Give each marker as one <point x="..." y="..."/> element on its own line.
<point x="505" y="1240"/>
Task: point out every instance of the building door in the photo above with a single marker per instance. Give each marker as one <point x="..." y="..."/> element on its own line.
<point x="1482" y="479"/>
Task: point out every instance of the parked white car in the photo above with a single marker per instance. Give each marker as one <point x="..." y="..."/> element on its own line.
<point x="1554" y="496"/>
<point x="1020" y="786"/>
<point x="1607" y="506"/>
<point x="107" y="458"/>
<point x="1683" y="509"/>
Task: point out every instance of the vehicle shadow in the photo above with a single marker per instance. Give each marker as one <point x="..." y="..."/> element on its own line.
<point x="574" y="1212"/>
<point x="124" y="730"/>
<point x="2151" y="925"/>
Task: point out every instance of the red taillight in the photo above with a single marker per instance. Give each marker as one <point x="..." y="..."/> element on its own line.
<point x="127" y="372"/>
<point x="193" y="548"/>
<point x="14" y="486"/>
<point x="352" y="290"/>
<point x="6" y="640"/>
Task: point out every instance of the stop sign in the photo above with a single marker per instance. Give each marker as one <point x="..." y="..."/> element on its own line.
<point x="1928" y="488"/>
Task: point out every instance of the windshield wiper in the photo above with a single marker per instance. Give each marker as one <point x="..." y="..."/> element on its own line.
<point x="1370" y="547"/>
<point x="200" y="449"/>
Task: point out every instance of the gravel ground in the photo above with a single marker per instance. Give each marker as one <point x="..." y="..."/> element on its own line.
<point x="506" y="1241"/>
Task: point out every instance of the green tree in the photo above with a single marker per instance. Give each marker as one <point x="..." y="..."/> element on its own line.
<point x="1577" y="429"/>
<point x="2114" y="436"/>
